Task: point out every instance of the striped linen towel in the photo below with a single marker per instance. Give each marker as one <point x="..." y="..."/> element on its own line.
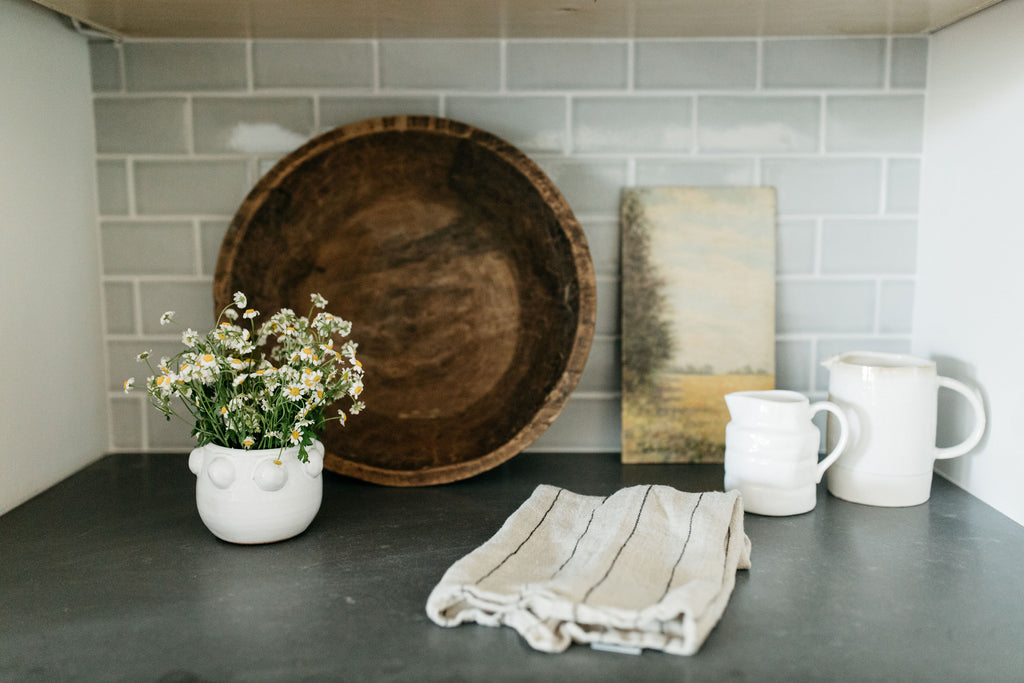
<point x="647" y="567"/>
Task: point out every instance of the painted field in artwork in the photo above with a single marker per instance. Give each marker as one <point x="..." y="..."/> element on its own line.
<point x="698" y="315"/>
<point x="684" y="414"/>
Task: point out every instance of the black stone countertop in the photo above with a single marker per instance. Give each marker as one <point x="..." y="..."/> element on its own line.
<point x="111" y="575"/>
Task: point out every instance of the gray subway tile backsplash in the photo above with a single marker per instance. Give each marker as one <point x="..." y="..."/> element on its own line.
<point x="602" y="371"/>
<point x="211" y="235"/>
<point x="874" y="123"/>
<point x="758" y="124"/>
<point x="184" y="128"/>
<point x="902" y="185"/>
<point x="585" y="425"/>
<point x="122" y="363"/>
<point x="608" y="317"/>
<point x="105" y="65"/>
<point x="795" y="246"/>
<point x="120" y="307"/>
<point x="603" y="240"/>
<point x="567" y="65"/>
<point x="192" y="303"/>
<point x="312" y="64"/>
<point x="126" y="419"/>
<point x="185" y="66"/>
<point x="825" y="306"/>
<point x="167" y="434"/>
<point x="793" y="364"/>
<point x="251" y="124"/>
<point x="591" y="186"/>
<point x="455" y="65"/>
<point x="695" y="172"/>
<point x="140" y="125"/>
<point x="868" y="246"/>
<point x="696" y="64"/>
<point x="643" y="123"/>
<point x="825" y="185"/>
<point x="147" y="248"/>
<point x="190" y="186"/>
<point x="909" y="62"/>
<point x="824" y="63"/>
<point x="339" y="111"/>
<point x="533" y="124"/>
<point x="896" y="307"/>
<point x="112" y="187"/>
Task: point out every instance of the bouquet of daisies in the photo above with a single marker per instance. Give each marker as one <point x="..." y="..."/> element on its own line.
<point x="260" y="386"/>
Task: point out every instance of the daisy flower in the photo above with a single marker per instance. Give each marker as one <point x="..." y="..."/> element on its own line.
<point x="189" y="338"/>
<point x="129" y="384"/>
<point x="250" y="313"/>
<point x="240" y="300"/>
<point x="167" y="318"/>
<point x="318" y="300"/>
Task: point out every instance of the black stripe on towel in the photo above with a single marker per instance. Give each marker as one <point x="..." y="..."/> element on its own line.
<point x="725" y="565"/>
<point x="578" y="540"/>
<point x="520" y="546"/>
<point x="689" y="532"/>
<point x="636" y="523"/>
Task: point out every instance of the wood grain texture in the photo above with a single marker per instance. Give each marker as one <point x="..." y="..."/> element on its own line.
<point x="464" y="272"/>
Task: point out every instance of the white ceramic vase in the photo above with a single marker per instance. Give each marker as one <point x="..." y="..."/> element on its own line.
<point x="260" y="496"/>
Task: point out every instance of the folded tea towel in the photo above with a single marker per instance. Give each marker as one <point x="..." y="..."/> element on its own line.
<point x="647" y="567"/>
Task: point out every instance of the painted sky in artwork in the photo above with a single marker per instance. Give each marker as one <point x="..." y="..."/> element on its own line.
<point x="715" y="250"/>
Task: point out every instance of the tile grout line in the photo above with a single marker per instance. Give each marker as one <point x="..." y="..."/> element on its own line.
<point x="375" y="65"/>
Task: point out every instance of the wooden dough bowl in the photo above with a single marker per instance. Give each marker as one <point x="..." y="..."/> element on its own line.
<point x="466" y="276"/>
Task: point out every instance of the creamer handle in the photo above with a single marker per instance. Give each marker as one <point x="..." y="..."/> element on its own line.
<point x="844" y="434"/>
<point x="979" y="420"/>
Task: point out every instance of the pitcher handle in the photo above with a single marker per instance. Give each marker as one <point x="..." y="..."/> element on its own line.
<point x="979" y="420"/>
<point x="844" y="434"/>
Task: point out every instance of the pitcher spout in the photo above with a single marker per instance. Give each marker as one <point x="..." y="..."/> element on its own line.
<point x="743" y="405"/>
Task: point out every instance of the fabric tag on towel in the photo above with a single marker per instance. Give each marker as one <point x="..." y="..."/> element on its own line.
<point x="647" y="567"/>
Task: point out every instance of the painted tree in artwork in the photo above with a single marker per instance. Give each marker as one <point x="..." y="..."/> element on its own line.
<point x="648" y="346"/>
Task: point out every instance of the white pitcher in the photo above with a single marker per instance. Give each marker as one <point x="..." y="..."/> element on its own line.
<point x="771" y="450"/>
<point x="892" y="403"/>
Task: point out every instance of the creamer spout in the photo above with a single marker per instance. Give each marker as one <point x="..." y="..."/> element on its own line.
<point x="831" y="361"/>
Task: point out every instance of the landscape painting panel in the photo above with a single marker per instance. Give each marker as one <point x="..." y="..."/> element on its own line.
<point x="698" y="315"/>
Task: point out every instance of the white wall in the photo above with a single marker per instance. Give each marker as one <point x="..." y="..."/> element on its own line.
<point x="52" y="399"/>
<point x="970" y="292"/>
